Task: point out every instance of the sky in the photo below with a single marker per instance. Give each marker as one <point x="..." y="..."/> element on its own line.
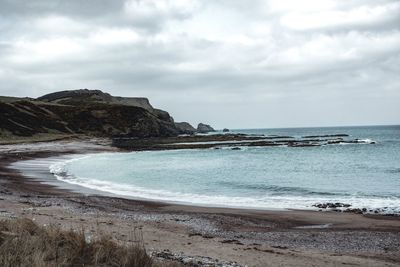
<point x="229" y="63"/>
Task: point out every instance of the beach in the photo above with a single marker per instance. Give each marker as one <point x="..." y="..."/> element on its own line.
<point x="187" y="233"/>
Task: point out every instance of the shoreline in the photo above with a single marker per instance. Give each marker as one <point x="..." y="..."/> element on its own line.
<point x="259" y="236"/>
<point x="39" y="169"/>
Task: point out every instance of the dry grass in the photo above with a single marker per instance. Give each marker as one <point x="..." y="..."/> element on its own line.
<point x="24" y="243"/>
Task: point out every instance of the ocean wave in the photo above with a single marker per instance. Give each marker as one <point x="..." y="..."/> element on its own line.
<point x="270" y="201"/>
<point x="277" y="189"/>
<point x="293" y="190"/>
<point x="366" y="141"/>
<point x="395" y="170"/>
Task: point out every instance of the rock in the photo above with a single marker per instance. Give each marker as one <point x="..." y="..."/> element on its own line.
<point x="204" y="128"/>
<point x="225" y="130"/>
<point x="185" y="128"/>
<point x="330" y="205"/>
<point x="236" y="148"/>
<point x="327" y="135"/>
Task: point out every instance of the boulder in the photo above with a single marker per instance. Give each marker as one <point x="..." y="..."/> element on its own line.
<point x="204" y="128"/>
<point x="225" y="130"/>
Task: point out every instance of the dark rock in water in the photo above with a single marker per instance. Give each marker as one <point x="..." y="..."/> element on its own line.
<point x="327" y="135"/>
<point x="302" y="144"/>
<point x="330" y="205"/>
<point x="337" y="207"/>
<point x="335" y="141"/>
<point x="204" y="128"/>
<point x="225" y="130"/>
<point x="236" y="148"/>
<point x="185" y="128"/>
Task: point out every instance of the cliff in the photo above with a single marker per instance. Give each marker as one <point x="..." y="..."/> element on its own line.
<point x="87" y="112"/>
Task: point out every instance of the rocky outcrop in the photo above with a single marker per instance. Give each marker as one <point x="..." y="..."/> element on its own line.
<point x="225" y="130"/>
<point x="163" y="115"/>
<point x="87" y="112"/>
<point x="185" y="128"/>
<point x="204" y="128"/>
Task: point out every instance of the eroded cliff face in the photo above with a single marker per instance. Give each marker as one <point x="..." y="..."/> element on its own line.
<point x="88" y="112"/>
<point x="185" y="128"/>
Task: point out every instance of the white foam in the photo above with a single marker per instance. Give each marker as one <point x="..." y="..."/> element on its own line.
<point x="266" y="202"/>
<point x="366" y="141"/>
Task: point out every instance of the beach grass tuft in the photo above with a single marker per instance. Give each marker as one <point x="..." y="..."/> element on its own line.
<point x="24" y="243"/>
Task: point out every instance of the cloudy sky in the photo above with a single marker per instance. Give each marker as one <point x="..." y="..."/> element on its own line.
<point x="230" y="63"/>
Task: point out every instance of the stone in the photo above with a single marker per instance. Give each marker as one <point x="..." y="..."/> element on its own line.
<point x="204" y="128"/>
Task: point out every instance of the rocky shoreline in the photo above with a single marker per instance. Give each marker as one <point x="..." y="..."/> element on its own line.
<point x="343" y="207"/>
<point x="234" y="141"/>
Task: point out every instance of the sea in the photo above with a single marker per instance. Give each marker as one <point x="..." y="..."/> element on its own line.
<point x="364" y="175"/>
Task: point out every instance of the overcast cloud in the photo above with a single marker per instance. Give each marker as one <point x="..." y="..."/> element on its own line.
<point x="230" y="63"/>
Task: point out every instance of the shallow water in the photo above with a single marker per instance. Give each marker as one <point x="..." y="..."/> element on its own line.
<point x="364" y="175"/>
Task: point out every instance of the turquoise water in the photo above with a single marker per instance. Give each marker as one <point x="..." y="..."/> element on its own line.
<point x="364" y="175"/>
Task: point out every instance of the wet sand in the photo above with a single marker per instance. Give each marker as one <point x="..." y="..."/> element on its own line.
<point x="225" y="236"/>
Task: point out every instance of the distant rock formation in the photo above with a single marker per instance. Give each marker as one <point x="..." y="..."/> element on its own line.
<point x="204" y="128"/>
<point x="225" y="130"/>
<point x="87" y="112"/>
<point x="185" y="128"/>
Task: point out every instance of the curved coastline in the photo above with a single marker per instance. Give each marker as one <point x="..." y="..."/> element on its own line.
<point x="218" y="229"/>
<point x="39" y="169"/>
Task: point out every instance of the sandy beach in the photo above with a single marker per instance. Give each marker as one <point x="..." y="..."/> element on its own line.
<point x="204" y="236"/>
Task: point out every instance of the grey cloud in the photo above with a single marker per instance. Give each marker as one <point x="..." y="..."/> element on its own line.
<point x="84" y="9"/>
<point x="229" y="63"/>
